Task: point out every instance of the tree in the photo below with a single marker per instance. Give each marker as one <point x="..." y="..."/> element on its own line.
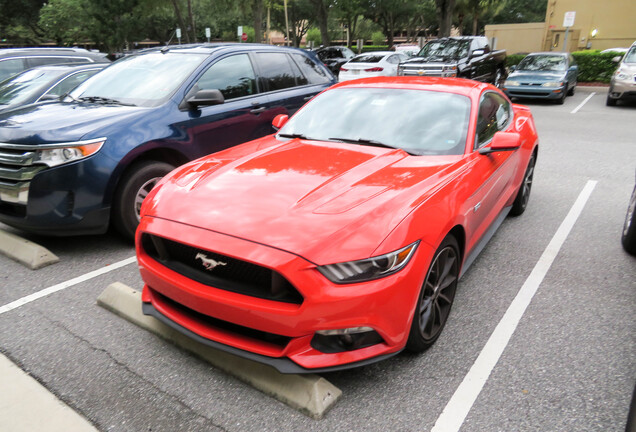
<point x="321" y="9"/>
<point x="390" y="15"/>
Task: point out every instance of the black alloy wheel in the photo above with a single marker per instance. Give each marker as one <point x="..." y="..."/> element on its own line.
<point x="564" y="93"/>
<point x="523" y="196"/>
<point x="436" y="297"/>
<point x="628" y="238"/>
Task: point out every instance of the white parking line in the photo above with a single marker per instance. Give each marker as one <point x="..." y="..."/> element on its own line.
<point x="575" y="110"/>
<point x="55" y="288"/>
<point x="458" y="407"/>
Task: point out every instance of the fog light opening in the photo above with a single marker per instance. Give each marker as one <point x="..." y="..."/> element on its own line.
<point x="335" y="341"/>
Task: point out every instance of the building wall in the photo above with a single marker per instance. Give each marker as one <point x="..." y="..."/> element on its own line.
<point x="614" y="21"/>
<point x="516" y="38"/>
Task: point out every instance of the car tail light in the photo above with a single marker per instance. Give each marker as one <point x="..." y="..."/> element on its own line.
<point x="374" y="69"/>
<point x="343" y="69"/>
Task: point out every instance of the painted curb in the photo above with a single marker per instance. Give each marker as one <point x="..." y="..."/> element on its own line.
<point x="310" y="394"/>
<point x="25" y="252"/>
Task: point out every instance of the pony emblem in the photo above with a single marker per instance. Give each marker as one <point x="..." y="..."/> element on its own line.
<point x="209" y="263"/>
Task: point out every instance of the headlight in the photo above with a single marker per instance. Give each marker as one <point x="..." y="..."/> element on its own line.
<point x="449" y="71"/>
<point x="58" y="154"/>
<point x="622" y="75"/>
<point x="509" y="83"/>
<point x="552" y="84"/>
<point x="370" y="268"/>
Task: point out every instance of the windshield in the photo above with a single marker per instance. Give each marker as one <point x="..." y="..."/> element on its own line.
<point x="446" y="48"/>
<point x="144" y="80"/>
<point x="417" y="121"/>
<point x="367" y="58"/>
<point x="22" y="87"/>
<point x="555" y="63"/>
<point x="630" y="57"/>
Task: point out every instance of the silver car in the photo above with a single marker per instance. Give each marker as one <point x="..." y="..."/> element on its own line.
<point x="623" y="83"/>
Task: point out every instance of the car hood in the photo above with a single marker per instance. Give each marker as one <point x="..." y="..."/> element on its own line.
<point x="60" y="121"/>
<point x="536" y="76"/>
<point x="326" y="202"/>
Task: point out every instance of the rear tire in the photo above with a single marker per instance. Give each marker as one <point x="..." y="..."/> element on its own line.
<point x="436" y="297"/>
<point x="628" y="238"/>
<point x="136" y="183"/>
<point x="523" y="196"/>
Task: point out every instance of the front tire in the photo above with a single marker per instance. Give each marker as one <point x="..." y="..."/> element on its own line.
<point x="609" y="101"/>
<point x="628" y="238"/>
<point x="523" y="196"/>
<point x="135" y="185"/>
<point x="436" y="297"/>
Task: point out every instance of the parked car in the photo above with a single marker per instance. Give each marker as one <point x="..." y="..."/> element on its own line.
<point x="464" y="57"/>
<point x="615" y="50"/>
<point x="15" y="60"/>
<point x="379" y="63"/>
<point x="95" y="155"/>
<point x="628" y="237"/>
<point x="334" y="57"/>
<point x="340" y="240"/>
<point x="543" y="75"/>
<point x="409" y="50"/>
<point x="623" y="83"/>
<point x="44" y="83"/>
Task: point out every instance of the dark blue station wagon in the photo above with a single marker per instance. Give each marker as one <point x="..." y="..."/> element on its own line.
<point x="75" y="166"/>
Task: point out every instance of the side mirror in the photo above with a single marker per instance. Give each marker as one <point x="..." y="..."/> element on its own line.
<point x="206" y="98"/>
<point x="512" y="68"/>
<point x="502" y="141"/>
<point x="574" y="68"/>
<point x="279" y="121"/>
<point x="478" y="53"/>
<point x="617" y="59"/>
<point x="49" y="97"/>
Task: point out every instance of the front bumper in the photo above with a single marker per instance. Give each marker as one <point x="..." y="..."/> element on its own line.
<point x="622" y="89"/>
<point x="272" y="332"/>
<point x="534" y="92"/>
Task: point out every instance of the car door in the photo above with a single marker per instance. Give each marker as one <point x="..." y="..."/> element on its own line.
<point x="491" y="174"/>
<point x="240" y="118"/>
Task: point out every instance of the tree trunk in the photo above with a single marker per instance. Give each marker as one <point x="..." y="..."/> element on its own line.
<point x="177" y="12"/>
<point x="258" y="21"/>
<point x="191" y="19"/>
<point x="445" y="10"/>
<point x="321" y="15"/>
<point x="475" y="22"/>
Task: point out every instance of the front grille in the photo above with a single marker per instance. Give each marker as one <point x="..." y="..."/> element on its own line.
<point x="222" y="272"/>
<point x="16" y="171"/>
<point x="247" y="332"/>
<point x="426" y="71"/>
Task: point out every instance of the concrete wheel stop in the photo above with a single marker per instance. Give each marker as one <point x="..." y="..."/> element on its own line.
<point x="310" y="394"/>
<point x="25" y="252"/>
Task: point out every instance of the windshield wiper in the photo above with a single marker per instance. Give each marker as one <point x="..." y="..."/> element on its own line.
<point x="368" y="142"/>
<point x="99" y="99"/>
<point x="293" y="135"/>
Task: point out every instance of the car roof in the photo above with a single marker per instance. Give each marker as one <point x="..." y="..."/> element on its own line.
<point x="382" y="53"/>
<point x="63" y="67"/>
<point x="71" y="52"/>
<point x="210" y="48"/>
<point x="560" y="54"/>
<point x="461" y="86"/>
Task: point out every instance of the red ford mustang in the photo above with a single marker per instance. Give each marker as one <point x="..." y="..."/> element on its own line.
<point x="339" y="240"/>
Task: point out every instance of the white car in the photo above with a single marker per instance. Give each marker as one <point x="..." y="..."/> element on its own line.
<point x="372" y="64"/>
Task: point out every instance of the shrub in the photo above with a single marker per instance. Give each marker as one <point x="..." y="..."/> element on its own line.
<point x="313" y="35"/>
<point x="378" y="38"/>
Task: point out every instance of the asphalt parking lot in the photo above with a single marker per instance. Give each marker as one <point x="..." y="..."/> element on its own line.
<point x="569" y="363"/>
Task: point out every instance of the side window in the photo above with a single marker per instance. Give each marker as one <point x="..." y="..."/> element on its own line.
<point x="70" y="82"/>
<point x="10" y="67"/>
<point x="394" y="59"/>
<point x="39" y="61"/>
<point x="275" y="71"/>
<point x="494" y="116"/>
<point x="312" y="72"/>
<point x="233" y="76"/>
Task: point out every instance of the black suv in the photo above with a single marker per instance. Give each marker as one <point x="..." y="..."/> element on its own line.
<point x="15" y="60"/>
<point x="334" y="56"/>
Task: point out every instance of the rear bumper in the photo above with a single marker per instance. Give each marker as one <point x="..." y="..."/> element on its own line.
<point x="247" y="325"/>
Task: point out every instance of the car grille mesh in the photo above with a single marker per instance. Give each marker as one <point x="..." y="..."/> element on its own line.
<point x="229" y="274"/>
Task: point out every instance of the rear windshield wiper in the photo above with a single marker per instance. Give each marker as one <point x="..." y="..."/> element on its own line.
<point x="368" y="142"/>
<point x="99" y="99"/>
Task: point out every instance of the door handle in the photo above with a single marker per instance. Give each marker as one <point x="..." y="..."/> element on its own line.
<point x="258" y="110"/>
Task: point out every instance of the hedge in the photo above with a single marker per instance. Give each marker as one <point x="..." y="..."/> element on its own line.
<point x="593" y="66"/>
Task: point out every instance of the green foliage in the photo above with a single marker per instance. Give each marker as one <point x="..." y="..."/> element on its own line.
<point x="377" y="38"/>
<point x="313" y="35"/>
<point x="594" y="66"/>
<point x="371" y="48"/>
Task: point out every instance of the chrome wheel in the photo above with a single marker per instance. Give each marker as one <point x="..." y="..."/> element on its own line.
<point x="438" y="293"/>
<point x="142" y="193"/>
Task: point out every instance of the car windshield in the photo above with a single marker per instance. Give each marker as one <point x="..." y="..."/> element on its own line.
<point x="555" y="63"/>
<point x="144" y="80"/>
<point x="630" y="57"/>
<point x="445" y="48"/>
<point x="367" y="58"/>
<point x="20" y="88"/>
<point x="417" y="121"/>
